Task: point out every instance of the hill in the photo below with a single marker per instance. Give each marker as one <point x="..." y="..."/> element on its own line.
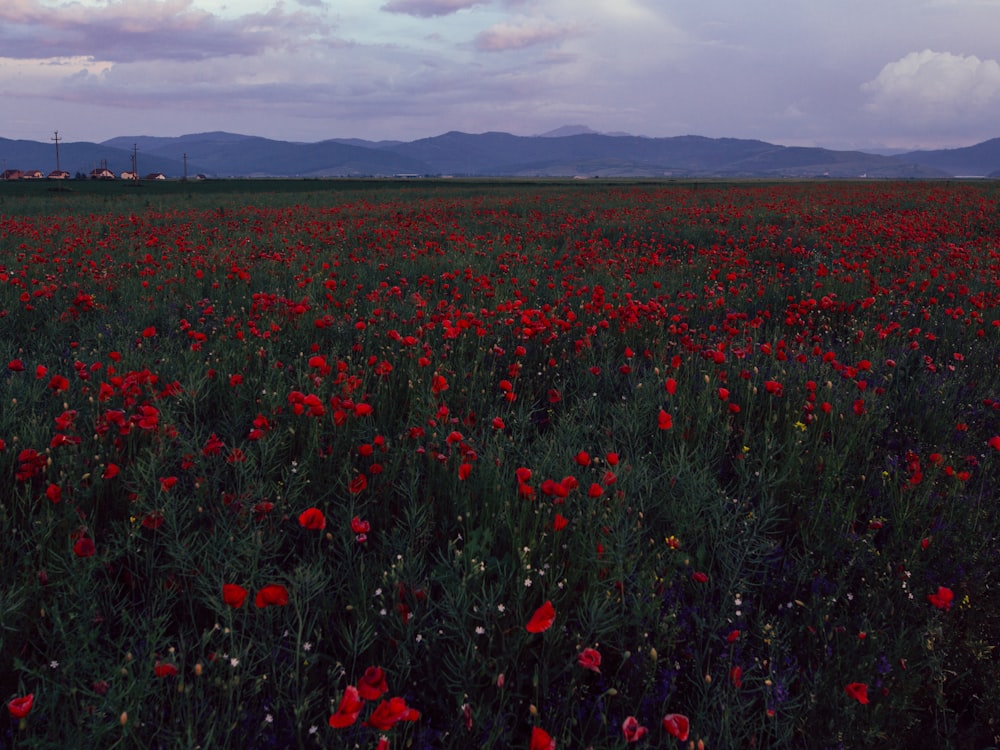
<point x="980" y="160"/>
<point x="569" y="151"/>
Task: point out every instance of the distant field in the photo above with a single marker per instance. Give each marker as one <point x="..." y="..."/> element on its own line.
<point x="499" y="463"/>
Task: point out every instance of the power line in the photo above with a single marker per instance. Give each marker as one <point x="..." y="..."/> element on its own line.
<point x="57" y="139"/>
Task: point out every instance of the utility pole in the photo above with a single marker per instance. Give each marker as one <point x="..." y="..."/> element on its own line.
<point x="57" y="139"/>
<point x="135" y="171"/>
<point x="185" y="166"/>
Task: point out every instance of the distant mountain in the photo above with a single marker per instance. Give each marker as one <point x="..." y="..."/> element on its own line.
<point x="592" y="154"/>
<point x="573" y="150"/>
<point x="981" y="160"/>
<point x="229" y="155"/>
<point x="568" y="130"/>
<point x="574" y="130"/>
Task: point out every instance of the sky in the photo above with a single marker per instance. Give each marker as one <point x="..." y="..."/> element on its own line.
<point x="844" y="74"/>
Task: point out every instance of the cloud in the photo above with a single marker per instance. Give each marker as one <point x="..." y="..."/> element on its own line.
<point x="507" y="36"/>
<point x="429" y="8"/>
<point x="119" y="31"/>
<point x="936" y="87"/>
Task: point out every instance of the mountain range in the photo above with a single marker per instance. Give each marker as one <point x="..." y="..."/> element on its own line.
<point x="572" y="150"/>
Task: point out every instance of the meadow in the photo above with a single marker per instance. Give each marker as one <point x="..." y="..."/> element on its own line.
<point x="456" y="464"/>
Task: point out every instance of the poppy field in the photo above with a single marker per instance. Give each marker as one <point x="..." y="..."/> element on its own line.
<point x="500" y="465"/>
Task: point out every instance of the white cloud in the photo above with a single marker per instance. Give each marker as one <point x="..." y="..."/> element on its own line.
<point x="145" y="30"/>
<point x="936" y="87"/>
<point x="429" y="8"/>
<point x="506" y="36"/>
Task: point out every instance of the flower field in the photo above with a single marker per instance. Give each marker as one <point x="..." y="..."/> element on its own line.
<point x="500" y="465"/>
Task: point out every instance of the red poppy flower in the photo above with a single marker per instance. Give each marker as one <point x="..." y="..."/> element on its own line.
<point x="858" y="691"/>
<point x="165" y="669"/>
<point x="387" y="713"/>
<point x="18" y="708"/>
<point x="234" y="595"/>
<point x="358" y="484"/>
<point x="213" y="446"/>
<point x="670" y="386"/>
<point x="312" y="519"/>
<point x="552" y="488"/>
<point x="542" y="619"/>
<point x="359" y="526"/>
<point x="438" y="384"/>
<point x="464" y="470"/>
<point x="677" y="725"/>
<point x="736" y="677"/>
<point x="632" y="730"/>
<point x="699" y="577"/>
<point x="272" y="595"/>
<point x="541" y="740"/>
<point x="664" y="421"/>
<point x="58" y="383"/>
<point x="348" y="710"/>
<point x="559" y="522"/>
<point x="590" y="658"/>
<point x="15" y="365"/>
<point x="372" y="684"/>
<point x="942" y="598"/>
<point x="84" y="547"/>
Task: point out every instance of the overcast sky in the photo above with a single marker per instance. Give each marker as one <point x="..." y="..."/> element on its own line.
<point x="835" y="73"/>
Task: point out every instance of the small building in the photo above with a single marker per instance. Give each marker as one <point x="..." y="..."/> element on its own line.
<point x="32" y="174"/>
<point x="102" y="173"/>
<point x="58" y="174"/>
<point x="155" y="176"/>
<point x="129" y="176"/>
<point x="11" y="174"/>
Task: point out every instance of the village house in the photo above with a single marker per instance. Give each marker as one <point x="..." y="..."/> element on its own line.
<point x="11" y="174"/>
<point x="32" y="174"/>
<point x="129" y="176"/>
<point x="155" y="176"/>
<point x="58" y="174"/>
<point x="102" y="173"/>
